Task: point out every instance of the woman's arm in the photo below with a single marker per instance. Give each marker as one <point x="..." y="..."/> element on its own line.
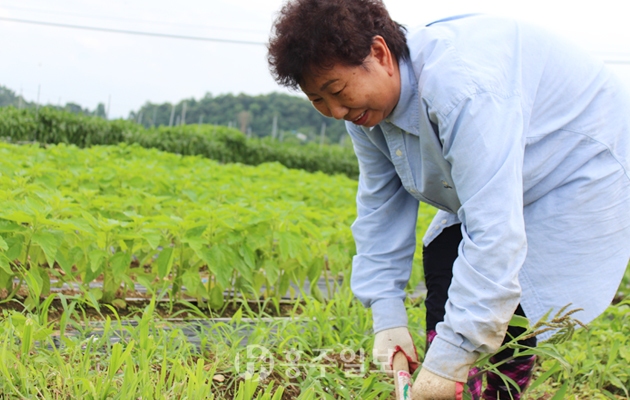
<point x="384" y="232"/>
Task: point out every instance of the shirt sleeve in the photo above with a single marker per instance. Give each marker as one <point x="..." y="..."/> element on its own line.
<point x="385" y="235"/>
<point x="483" y="139"/>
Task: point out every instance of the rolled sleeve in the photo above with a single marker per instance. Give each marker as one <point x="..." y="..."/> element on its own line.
<point x="385" y="235"/>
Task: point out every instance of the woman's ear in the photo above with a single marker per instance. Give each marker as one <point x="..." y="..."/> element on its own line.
<point x="381" y="54"/>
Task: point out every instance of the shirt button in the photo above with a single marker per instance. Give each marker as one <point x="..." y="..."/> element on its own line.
<point x="443" y="222"/>
<point x="398" y="153"/>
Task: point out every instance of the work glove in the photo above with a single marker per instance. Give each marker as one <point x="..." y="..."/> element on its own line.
<point x="429" y="386"/>
<point x="391" y="341"/>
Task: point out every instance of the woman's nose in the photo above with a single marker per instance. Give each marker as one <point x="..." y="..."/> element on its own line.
<point x="338" y="110"/>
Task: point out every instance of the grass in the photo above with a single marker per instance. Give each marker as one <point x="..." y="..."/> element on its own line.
<point x="322" y="351"/>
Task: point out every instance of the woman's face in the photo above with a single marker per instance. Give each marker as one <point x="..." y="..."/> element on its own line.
<point x="364" y="95"/>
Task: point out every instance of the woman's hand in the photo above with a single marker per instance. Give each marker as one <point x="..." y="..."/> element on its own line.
<point x="391" y="341"/>
<point x="429" y="386"/>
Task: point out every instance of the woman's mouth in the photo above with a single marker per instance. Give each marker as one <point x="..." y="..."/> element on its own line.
<point x="361" y="119"/>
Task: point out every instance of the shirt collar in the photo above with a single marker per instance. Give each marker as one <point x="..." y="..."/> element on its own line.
<point x="406" y="111"/>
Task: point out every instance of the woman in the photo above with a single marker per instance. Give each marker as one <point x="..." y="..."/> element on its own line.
<point x="518" y="137"/>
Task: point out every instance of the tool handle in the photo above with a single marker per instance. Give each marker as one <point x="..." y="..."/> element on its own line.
<point x="402" y="378"/>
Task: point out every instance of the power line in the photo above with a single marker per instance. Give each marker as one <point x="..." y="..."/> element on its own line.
<point x="127" y="32"/>
<point x="135" y="20"/>
<point x="185" y="37"/>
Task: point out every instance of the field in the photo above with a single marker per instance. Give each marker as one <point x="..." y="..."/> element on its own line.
<point x="131" y="273"/>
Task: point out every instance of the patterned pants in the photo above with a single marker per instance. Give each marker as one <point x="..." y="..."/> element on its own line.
<point x="438" y="260"/>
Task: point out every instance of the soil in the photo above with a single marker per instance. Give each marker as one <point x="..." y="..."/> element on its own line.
<point x="135" y="303"/>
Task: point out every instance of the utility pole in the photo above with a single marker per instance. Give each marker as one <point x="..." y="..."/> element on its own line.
<point x="109" y="102"/>
<point x="37" y="112"/>
<point x="274" y="127"/>
<point x="39" y="87"/>
<point x="140" y="118"/>
<point x="20" y="100"/>
<point x="170" y="123"/>
<point x="154" y="116"/>
<point x="322" y="135"/>
<point x="177" y="120"/>
<point x="184" y="114"/>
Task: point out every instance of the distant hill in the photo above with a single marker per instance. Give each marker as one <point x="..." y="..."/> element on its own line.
<point x="253" y="115"/>
<point x="8" y="97"/>
<point x="295" y="117"/>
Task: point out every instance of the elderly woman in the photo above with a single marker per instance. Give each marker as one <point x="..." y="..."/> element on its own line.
<point x="520" y="139"/>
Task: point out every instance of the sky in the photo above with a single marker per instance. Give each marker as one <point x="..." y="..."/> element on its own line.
<point x="124" y="71"/>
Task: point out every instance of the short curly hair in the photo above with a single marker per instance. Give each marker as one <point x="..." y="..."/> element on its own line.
<point x="311" y="35"/>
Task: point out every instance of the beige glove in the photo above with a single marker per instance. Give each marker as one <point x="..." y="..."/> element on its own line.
<point x="429" y="386"/>
<point x="389" y="342"/>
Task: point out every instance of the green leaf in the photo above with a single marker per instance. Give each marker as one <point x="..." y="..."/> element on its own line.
<point x="5" y="265"/>
<point x="120" y="263"/>
<point x="165" y="262"/>
<point x="152" y="238"/>
<point x="194" y="237"/>
<point x="283" y="285"/>
<point x="560" y="394"/>
<point x="195" y="232"/>
<point x="119" y="303"/>
<point x="315" y="271"/>
<point x="543" y="377"/>
<point x="93" y="296"/>
<point x="248" y="256"/>
<point x="76" y="224"/>
<point x="519" y="321"/>
<point x="289" y="245"/>
<point x="272" y="271"/>
<point x="16" y="245"/>
<point x="49" y="242"/>
<point x="43" y="273"/>
<point x="63" y="262"/>
<point x="193" y="284"/>
<point x="215" y="258"/>
<point x="18" y="216"/>
<point x="97" y="258"/>
<point x="6" y="278"/>
<point x="10" y="226"/>
<point x="34" y="282"/>
<point x="216" y="297"/>
<point x="3" y="245"/>
<point x="317" y="294"/>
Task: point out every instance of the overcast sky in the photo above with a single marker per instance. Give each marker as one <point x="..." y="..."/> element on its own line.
<point x="88" y="67"/>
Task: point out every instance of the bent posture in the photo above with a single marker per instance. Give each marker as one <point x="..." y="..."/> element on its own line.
<point x="518" y="137"/>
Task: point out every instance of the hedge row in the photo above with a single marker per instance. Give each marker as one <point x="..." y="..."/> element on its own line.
<point x="219" y="143"/>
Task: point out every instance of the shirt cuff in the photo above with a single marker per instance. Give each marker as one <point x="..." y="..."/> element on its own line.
<point x="388" y="313"/>
<point x="449" y="361"/>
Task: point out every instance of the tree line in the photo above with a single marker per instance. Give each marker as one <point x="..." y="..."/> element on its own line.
<point x="282" y="116"/>
<point x="8" y="97"/>
<point x="294" y="116"/>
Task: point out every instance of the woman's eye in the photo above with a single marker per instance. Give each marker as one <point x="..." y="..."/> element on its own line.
<point x="336" y="93"/>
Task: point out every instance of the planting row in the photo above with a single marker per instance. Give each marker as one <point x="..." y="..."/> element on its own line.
<point x="124" y="214"/>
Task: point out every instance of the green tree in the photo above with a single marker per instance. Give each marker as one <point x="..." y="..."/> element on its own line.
<point x="294" y="114"/>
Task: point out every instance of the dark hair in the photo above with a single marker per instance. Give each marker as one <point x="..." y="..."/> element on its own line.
<point x="311" y="35"/>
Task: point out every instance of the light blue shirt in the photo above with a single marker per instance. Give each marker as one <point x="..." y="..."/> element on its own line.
<point x="525" y="140"/>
